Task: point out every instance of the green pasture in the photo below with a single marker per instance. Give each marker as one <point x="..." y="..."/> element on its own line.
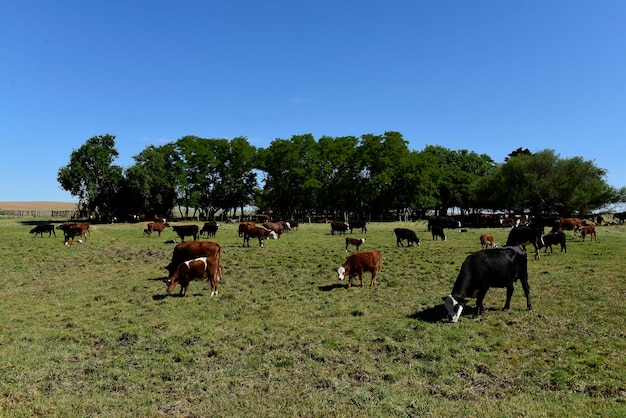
<point x="89" y="330"/>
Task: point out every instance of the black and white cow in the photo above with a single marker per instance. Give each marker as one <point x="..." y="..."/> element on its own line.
<point x="406" y="234"/>
<point x="494" y="267"/>
<point x="526" y="235"/>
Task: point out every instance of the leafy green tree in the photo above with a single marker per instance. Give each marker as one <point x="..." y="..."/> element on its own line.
<point x="91" y="176"/>
<point x="238" y="181"/>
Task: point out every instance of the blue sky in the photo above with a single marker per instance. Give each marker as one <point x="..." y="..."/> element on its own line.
<point x="486" y="76"/>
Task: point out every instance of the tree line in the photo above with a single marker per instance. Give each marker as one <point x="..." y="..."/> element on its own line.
<point x="371" y="177"/>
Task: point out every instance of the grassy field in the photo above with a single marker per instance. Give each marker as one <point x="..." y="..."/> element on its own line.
<point x="89" y="330"/>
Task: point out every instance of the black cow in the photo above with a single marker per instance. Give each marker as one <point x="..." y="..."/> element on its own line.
<point x="338" y="227"/>
<point x="553" y="239"/>
<point x="186" y="230"/>
<point x="494" y="267"/>
<point x="40" y="229"/>
<point x="358" y="224"/>
<point x="443" y="221"/>
<point x="437" y="232"/>
<point x="406" y="234"/>
<point x="210" y="228"/>
<point x="526" y="235"/>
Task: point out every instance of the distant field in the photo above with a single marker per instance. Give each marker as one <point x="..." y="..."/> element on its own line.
<point x="38" y="205"/>
<point x="89" y="330"/>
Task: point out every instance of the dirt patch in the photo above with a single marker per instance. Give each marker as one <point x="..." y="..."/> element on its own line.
<point x="38" y="205"/>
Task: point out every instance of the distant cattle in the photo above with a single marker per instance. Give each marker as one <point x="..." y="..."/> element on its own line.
<point x="295" y="225"/>
<point x="155" y="226"/>
<point x="406" y="234"/>
<point x="568" y="224"/>
<point x="210" y="228"/>
<point x="487" y="241"/>
<point x="262" y="218"/>
<point x="437" y="232"/>
<point x="40" y="229"/>
<point x="510" y="222"/>
<point x="526" y="235"/>
<point x="186" y="231"/>
<point x="71" y="230"/>
<point x="496" y="267"/>
<point x="358" y="263"/>
<point x="621" y="216"/>
<point x="489" y="220"/>
<point x="198" y="268"/>
<point x="443" y="221"/>
<point x="193" y="249"/>
<point x="589" y="230"/>
<point x="358" y="225"/>
<point x="260" y="232"/>
<point x="278" y="227"/>
<point x="357" y="242"/>
<point x="339" y="228"/>
<point x="555" y="238"/>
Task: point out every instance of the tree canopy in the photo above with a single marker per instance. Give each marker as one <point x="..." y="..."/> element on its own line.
<point x="368" y="177"/>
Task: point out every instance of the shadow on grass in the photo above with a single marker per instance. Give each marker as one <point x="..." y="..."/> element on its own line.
<point x="433" y="314"/>
<point x="333" y="287"/>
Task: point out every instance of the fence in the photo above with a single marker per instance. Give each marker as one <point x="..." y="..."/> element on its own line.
<point x="68" y="214"/>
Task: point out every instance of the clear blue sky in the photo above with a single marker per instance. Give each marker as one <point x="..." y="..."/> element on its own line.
<point x="486" y="76"/>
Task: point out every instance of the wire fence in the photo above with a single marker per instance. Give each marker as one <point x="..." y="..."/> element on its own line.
<point x="68" y="214"/>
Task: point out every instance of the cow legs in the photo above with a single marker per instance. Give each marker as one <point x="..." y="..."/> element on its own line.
<point x="373" y="282"/>
<point x="526" y="288"/>
<point x="509" y="293"/>
<point x="479" y="302"/>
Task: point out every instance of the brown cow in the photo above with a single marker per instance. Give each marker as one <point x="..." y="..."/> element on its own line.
<point x="186" y="231"/>
<point x="589" y="230"/>
<point x="278" y="227"/>
<point x="155" y="226"/>
<point x="358" y="263"/>
<point x="193" y="249"/>
<point x="357" y="242"/>
<point x="71" y="230"/>
<point x="487" y="241"/>
<point x="259" y="232"/>
<point x="568" y="224"/>
<point x="198" y="268"/>
<point x="242" y="227"/>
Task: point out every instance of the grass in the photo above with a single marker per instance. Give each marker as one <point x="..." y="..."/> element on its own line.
<point x="89" y="330"/>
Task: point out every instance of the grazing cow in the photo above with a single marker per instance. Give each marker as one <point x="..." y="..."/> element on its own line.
<point x="358" y="263"/>
<point x="406" y="234"/>
<point x="589" y="230"/>
<point x="338" y="227"/>
<point x="357" y="242"/>
<point x="497" y="267"/>
<point x="186" y="231"/>
<point x="443" y="221"/>
<point x="155" y="226"/>
<point x="259" y="232"/>
<point x="210" y="228"/>
<point x="193" y="249"/>
<point x="553" y="239"/>
<point x="198" y="268"/>
<point x="525" y="235"/>
<point x="278" y="227"/>
<point x="487" y="241"/>
<point x="40" y="229"/>
<point x="71" y="230"/>
<point x="568" y="224"/>
<point x="242" y="227"/>
<point x="510" y="222"/>
<point x="437" y="232"/>
<point x="358" y="224"/>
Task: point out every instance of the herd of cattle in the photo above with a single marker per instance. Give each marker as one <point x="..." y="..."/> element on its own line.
<point x="493" y="266"/>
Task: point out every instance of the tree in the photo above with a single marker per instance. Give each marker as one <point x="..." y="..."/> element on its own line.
<point x="91" y="176"/>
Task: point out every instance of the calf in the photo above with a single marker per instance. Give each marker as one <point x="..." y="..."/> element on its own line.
<point x="186" y="231"/>
<point x="155" y="226"/>
<point x="487" y="241"/>
<point x="198" y="268"/>
<point x="589" y="230"/>
<point x="357" y="242"/>
<point x="40" y="229"/>
<point x="525" y="235"/>
<point x="358" y="263"/>
<point x="405" y="234"/>
<point x="210" y="228"/>
<point x="437" y="232"/>
<point x="497" y="267"/>
<point x="553" y="239"/>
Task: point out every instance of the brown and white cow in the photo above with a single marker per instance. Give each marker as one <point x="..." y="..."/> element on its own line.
<point x="278" y="227"/>
<point x="568" y="224"/>
<point x="193" y="249"/>
<point x="198" y="268"/>
<point x="357" y="242"/>
<point x="73" y="229"/>
<point x="358" y="263"/>
<point x="155" y="226"/>
<point x="487" y="241"/>
<point x="260" y="232"/>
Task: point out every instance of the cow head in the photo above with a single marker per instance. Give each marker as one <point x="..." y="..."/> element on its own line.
<point x="362" y="240"/>
<point x="454" y="308"/>
<point x="341" y="273"/>
<point x="171" y="283"/>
